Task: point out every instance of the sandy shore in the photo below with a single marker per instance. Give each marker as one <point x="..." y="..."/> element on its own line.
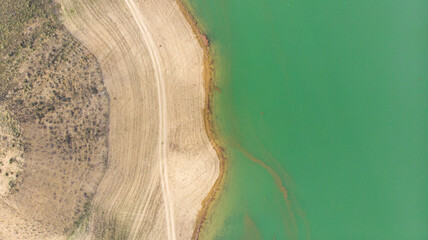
<point x="210" y="89"/>
<point x="161" y="162"/>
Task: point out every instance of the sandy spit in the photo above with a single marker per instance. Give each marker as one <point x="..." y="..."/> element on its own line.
<point x="162" y="164"/>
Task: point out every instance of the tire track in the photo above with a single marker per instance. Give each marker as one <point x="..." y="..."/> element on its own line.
<point x="161" y="163"/>
<point x="160" y="81"/>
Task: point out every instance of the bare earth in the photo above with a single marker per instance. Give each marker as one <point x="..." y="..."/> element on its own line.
<point x="53" y="124"/>
<point x="161" y="164"/>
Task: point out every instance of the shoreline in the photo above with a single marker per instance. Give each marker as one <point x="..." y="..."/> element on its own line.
<point x="208" y="74"/>
<point x="131" y="44"/>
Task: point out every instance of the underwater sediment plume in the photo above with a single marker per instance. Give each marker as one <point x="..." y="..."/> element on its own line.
<point x="321" y="115"/>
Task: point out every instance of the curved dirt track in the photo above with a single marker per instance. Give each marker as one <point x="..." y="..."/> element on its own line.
<point x="161" y="163"/>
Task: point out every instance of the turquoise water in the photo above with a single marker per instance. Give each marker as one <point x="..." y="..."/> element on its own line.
<point x="328" y="99"/>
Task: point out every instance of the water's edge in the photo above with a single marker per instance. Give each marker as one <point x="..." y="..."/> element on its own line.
<point x="210" y="128"/>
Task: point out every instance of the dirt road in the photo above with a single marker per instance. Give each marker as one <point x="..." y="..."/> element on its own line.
<point x="160" y="85"/>
<point x="161" y="163"/>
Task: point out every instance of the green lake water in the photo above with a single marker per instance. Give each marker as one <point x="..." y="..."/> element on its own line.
<point x="329" y="100"/>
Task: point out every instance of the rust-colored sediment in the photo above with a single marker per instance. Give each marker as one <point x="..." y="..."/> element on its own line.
<point x="210" y="88"/>
<point x="291" y="222"/>
<point x="251" y="232"/>
<point x="208" y="120"/>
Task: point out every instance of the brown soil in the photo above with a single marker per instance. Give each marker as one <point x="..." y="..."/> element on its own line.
<point x="11" y="152"/>
<point x="55" y="93"/>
